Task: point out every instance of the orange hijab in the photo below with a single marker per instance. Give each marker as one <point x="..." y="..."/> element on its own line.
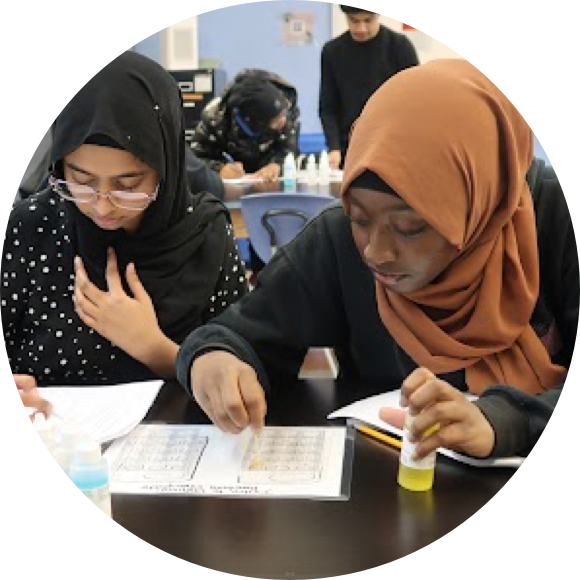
<point x="457" y="151"/>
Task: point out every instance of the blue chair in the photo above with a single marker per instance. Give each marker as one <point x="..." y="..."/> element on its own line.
<point x="274" y="219"/>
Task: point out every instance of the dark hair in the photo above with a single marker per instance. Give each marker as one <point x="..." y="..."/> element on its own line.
<point x="258" y="100"/>
<point x="353" y="9"/>
<point x="370" y="180"/>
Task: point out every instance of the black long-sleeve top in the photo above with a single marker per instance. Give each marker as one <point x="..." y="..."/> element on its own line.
<point x="44" y="335"/>
<point x="317" y="292"/>
<point x="351" y="72"/>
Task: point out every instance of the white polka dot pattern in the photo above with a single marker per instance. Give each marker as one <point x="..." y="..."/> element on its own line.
<point x="43" y="334"/>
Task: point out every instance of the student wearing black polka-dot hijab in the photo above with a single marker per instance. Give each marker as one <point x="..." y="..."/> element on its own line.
<point x="108" y="270"/>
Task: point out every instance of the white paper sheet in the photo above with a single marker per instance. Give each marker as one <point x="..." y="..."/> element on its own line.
<point x="103" y="413"/>
<point x="367" y="411"/>
<point x="248" y="179"/>
<point x="201" y="460"/>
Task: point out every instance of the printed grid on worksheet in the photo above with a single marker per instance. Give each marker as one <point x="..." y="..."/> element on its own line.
<point x="159" y="454"/>
<point x="284" y="455"/>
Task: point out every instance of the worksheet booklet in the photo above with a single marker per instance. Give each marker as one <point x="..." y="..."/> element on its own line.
<point x="289" y="462"/>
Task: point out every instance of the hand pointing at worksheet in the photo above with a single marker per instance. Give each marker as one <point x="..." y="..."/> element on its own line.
<point x="228" y="391"/>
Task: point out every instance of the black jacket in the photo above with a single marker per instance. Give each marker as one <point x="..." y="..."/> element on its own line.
<point x="218" y="132"/>
<point x="316" y="291"/>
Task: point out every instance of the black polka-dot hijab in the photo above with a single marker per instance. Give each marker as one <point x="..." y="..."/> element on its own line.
<point x="180" y="243"/>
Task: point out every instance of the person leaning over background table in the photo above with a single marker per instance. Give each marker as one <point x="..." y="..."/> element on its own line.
<point x="250" y="127"/>
<point x="353" y="66"/>
<point x="452" y="267"/>
<point x="109" y="269"/>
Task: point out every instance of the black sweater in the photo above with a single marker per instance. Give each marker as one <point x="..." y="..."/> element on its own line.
<point x="351" y="72"/>
<point x="44" y="336"/>
<point x="316" y="291"/>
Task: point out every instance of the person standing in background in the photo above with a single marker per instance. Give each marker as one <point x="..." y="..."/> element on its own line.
<point x="353" y="66"/>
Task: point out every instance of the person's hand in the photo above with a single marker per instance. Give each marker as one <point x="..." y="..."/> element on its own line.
<point x="232" y="171"/>
<point x="128" y="322"/>
<point x="269" y="172"/>
<point x="29" y="395"/>
<point x="334" y="159"/>
<point x="462" y="426"/>
<point x="228" y="391"/>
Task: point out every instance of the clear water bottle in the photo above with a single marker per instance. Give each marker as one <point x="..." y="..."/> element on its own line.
<point x="311" y="170"/>
<point x="89" y="471"/>
<point x="70" y="437"/>
<point x="324" y="172"/>
<point x="289" y="173"/>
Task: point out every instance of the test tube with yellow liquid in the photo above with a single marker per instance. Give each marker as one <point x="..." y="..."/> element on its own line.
<point x="416" y="474"/>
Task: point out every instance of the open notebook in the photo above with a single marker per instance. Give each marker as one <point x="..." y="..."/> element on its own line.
<point x="367" y="411"/>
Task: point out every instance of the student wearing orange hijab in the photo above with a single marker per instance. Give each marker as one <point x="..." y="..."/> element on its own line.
<point x="451" y="266"/>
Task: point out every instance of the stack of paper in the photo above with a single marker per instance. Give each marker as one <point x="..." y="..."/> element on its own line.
<point x="103" y="413"/>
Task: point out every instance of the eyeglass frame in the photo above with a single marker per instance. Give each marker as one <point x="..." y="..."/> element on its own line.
<point x="54" y="184"/>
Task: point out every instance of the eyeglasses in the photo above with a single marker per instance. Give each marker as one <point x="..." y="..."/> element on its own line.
<point x="132" y="200"/>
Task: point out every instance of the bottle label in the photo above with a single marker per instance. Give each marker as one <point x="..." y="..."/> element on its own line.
<point x="408" y="450"/>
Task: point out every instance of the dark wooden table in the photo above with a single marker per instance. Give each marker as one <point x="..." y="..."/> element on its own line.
<point x="381" y="529"/>
<point x="274" y="538"/>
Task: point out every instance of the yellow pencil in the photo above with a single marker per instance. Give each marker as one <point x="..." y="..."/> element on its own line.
<point x="378" y="435"/>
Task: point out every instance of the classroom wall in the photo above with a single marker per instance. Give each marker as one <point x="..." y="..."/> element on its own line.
<point x="80" y="38"/>
<point x="252" y="35"/>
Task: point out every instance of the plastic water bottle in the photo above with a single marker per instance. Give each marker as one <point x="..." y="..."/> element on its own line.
<point x="89" y="471"/>
<point x="48" y="432"/>
<point x="289" y="173"/>
<point x="324" y="172"/>
<point x="70" y="437"/>
<point x="311" y="170"/>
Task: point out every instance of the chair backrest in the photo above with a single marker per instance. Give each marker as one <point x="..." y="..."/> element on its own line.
<point x="273" y="219"/>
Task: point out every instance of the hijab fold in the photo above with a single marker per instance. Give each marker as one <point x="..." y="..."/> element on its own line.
<point x="180" y="243"/>
<point x="457" y="151"/>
